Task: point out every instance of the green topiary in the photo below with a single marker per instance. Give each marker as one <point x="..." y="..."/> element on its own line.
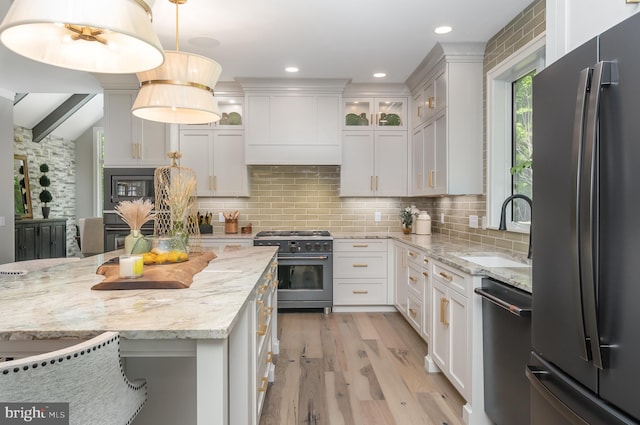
<point x="45" y="196"/>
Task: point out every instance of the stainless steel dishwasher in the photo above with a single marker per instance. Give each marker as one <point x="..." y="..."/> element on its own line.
<point x="506" y="325"/>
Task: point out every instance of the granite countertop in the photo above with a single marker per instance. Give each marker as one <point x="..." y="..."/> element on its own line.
<point x="58" y="302"/>
<point x="449" y="250"/>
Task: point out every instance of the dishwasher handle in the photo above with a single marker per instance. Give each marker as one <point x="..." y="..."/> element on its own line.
<point x="511" y="308"/>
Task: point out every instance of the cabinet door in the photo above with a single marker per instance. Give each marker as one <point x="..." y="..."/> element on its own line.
<point x="59" y="240"/>
<point x="196" y="148"/>
<point x="229" y="170"/>
<point x="440" y="324"/>
<point x="418" y="108"/>
<point x="391" y="163"/>
<point x="25" y="243"/>
<point x="458" y="343"/>
<point x="439" y="181"/>
<point x="153" y="142"/>
<point x="357" y="177"/>
<point x="426" y="301"/>
<point x="391" y="113"/>
<point x="119" y="148"/>
<point x="46" y="236"/>
<point x="402" y="276"/>
<point x="429" y="159"/>
<point x="358" y="114"/>
<point x="416" y="180"/>
<point x="440" y="91"/>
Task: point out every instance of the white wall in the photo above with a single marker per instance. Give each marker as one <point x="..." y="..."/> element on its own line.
<point x="570" y="23"/>
<point x="6" y="177"/>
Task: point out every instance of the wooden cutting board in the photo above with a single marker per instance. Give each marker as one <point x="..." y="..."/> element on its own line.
<point x="155" y="276"/>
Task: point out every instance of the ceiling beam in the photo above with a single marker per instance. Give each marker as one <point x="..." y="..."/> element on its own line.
<point x="59" y="115"/>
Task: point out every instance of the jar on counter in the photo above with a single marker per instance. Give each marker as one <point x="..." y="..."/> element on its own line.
<point x="423" y="224"/>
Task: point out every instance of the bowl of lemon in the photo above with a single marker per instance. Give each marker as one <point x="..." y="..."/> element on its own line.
<point x="161" y="250"/>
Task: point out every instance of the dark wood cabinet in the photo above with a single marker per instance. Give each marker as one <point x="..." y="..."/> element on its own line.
<point x="44" y="238"/>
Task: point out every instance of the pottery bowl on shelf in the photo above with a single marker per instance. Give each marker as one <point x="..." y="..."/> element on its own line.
<point x="161" y="249"/>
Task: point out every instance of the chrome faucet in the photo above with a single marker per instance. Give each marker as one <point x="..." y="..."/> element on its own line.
<point x="503" y="221"/>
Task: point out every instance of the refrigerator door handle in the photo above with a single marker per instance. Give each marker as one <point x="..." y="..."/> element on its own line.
<point x="588" y="215"/>
<point x="576" y="168"/>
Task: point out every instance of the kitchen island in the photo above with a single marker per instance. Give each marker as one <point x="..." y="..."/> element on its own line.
<point x="197" y="347"/>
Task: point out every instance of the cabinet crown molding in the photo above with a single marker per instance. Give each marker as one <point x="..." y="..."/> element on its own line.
<point x="451" y="52"/>
<point x="293" y="86"/>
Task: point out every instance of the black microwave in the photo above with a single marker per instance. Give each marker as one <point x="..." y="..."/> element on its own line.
<point x="127" y="184"/>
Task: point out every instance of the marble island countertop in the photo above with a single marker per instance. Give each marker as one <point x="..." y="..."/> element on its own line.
<point x="58" y="302"/>
<point x="449" y="250"/>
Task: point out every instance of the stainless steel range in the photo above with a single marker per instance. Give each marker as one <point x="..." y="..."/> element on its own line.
<point x="305" y="267"/>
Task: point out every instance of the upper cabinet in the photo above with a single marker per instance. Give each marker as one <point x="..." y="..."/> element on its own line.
<point x="232" y="115"/>
<point x="291" y="122"/>
<point x="375" y="113"/>
<point x="131" y="141"/>
<point x="446" y="142"/>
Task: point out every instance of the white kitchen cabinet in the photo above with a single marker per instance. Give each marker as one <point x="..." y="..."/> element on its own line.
<point x="360" y="272"/>
<point x="131" y="141"/>
<point x="374" y="163"/>
<point x="221" y="244"/>
<point x="451" y="318"/>
<point x="217" y="157"/>
<point x="375" y="113"/>
<point x="401" y="290"/>
<point x="300" y="128"/>
<point x="447" y="93"/>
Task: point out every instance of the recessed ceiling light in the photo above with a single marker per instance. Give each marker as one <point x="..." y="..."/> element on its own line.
<point x="379" y="75"/>
<point x="443" y="30"/>
<point x="291" y="69"/>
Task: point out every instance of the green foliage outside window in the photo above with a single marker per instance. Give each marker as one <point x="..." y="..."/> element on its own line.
<point x="522" y="144"/>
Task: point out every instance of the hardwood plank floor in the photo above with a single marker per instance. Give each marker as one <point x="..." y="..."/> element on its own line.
<point x="355" y="369"/>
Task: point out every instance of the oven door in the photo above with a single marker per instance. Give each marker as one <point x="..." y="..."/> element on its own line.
<point x="305" y="280"/>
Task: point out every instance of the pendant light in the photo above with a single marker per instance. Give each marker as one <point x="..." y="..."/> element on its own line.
<point x="180" y="91"/>
<point x="113" y="36"/>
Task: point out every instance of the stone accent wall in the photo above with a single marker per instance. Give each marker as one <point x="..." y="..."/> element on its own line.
<point x="304" y="198"/>
<point x="59" y="154"/>
<point x="523" y="28"/>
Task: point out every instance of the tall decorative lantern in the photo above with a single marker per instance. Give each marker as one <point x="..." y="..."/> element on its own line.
<point x="176" y="203"/>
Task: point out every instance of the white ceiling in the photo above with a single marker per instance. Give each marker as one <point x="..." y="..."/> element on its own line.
<point x="259" y="38"/>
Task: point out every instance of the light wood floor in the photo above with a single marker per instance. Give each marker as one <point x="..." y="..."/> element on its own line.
<point x="355" y="369"/>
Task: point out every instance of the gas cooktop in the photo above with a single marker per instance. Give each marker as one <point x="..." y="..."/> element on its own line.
<point x="292" y="234"/>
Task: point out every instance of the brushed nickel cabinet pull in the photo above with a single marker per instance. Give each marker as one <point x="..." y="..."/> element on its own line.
<point x="431" y="102"/>
<point x="446" y="276"/>
<point x="360" y="292"/>
<point x="376" y="182"/>
<point x="360" y="265"/>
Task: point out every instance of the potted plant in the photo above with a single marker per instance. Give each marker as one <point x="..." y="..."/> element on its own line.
<point x="406" y="217"/>
<point x="45" y="196"/>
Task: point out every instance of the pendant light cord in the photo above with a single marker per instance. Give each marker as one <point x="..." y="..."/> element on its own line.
<point x="177" y="47"/>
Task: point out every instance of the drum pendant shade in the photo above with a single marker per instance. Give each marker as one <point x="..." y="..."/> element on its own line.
<point x="105" y="36"/>
<point x="180" y="91"/>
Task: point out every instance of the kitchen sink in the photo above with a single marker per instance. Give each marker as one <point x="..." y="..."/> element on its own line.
<point x="493" y="261"/>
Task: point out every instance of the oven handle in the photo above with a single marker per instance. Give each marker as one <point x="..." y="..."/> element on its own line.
<point x="322" y="257"/>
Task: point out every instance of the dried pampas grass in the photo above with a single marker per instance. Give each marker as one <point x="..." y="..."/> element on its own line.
<point x="135" y="213"/>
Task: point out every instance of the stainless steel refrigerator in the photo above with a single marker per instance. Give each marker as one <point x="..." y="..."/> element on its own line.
<point x="585" y="364"/>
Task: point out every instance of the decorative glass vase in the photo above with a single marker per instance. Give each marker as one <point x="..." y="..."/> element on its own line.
<point x="179" y="232"/>
<point x="131" y="239"/>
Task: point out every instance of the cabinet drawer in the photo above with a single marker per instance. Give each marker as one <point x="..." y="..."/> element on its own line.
<point x="451" y="278"/>
<point x="416" y="281"/>
<point x="360" y="266"/>
<point x="357" y="292"/>
<point x="360" y="245"/>
<point x="414" y="312"/>
<point x="264" y="362"/>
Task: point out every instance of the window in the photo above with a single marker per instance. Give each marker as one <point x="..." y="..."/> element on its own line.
<point x="521" y="146"/>
<point x="509" y="131"/>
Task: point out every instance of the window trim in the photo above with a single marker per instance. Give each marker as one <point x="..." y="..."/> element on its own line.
<point x="499" y="128"/>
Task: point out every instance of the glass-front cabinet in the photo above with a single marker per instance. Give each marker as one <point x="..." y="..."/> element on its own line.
<point x="375" y="113"/>
<point x="232" y="115"/>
